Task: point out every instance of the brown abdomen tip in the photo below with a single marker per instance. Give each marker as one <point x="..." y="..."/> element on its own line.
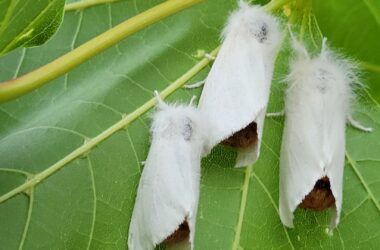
<point x="179" y="235"/>
<point x="320" y="197"/>
<point x="243" y="138"/>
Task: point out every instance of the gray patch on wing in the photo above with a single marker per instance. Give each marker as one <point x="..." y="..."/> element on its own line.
<point x="187" y="131"/>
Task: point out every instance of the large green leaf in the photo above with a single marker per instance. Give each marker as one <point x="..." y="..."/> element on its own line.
<point x="88" y="203"/>
<point x="28" y="22"/>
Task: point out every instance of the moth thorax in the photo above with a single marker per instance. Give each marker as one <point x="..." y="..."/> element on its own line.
<point x="324" y="79"/>
<point x="176" y="127"/>
<point x="182" y="233"/>
<point x="320" y="198"/>
<point x="259" y="30"/>
<point x="187" y="129"/>
<point x="244" y="138"/>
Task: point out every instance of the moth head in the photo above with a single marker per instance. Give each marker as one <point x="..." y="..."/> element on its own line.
<point x="325" y="71"/>
<point x="318" y="74"/>
<point x="255" y="24"/>
<point x="337" y="71"/>
<point x="182" y="122"/>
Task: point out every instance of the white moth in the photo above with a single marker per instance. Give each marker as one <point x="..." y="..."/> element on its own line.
<point x="236" y="92"/>
<point x="167" y="196"/>
<point x="317" y="107"/>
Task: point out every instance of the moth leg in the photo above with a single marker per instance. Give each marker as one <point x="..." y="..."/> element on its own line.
<point x="192" y="100"/>
<point x="160" y="102"/>
<point x="210" y="57"/>
<point x="142" y="163"/>
<point x="200" y="83"/>
<point x="356" y="124"/>
<point x="195" y="85"/>
<point x="324" y="46"/>
<point x="276" y="114"/>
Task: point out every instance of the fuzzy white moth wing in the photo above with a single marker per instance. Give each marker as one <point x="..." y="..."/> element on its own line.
<point x="236" y="91"/>
<point x="167" y="194"/>
<point x="313" y="143"/>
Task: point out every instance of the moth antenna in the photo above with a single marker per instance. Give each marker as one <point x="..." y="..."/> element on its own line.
<point x="195" y="85"/>
<point x="161" y="104"/>
<point x="192" y="100"/>
<point x="356" y="124"/>
<point x="297" y="45"/>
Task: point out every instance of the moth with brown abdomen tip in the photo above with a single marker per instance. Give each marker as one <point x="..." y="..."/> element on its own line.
<point x="167" y="197"/>
<point x="236" y="91"/>
<point x="317" y="108"/>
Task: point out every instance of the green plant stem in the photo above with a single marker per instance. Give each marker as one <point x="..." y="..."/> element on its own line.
<point x="86" y="4"/>
<point x="306" y="8"/>
<point x="297" y="12"/>
<point x="30" y="81"/>
<point x="123" y="123"/>
<point x="304" y="25"/>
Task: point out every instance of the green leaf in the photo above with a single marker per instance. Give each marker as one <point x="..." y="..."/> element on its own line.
<point x="28" y="22"/>
<point x="88" y="202"/>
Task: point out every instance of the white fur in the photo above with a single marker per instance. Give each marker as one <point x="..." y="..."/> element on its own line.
<point x="317" y="107"/>
<point x="237" y="88"/>
<point x="169" y="186"/>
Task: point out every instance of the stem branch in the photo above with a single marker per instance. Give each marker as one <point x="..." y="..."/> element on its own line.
<point x="30" y="81"/>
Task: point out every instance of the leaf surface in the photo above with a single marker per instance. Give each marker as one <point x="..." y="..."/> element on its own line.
<point x="88" y="203"/>
<point x="28" y="23"/>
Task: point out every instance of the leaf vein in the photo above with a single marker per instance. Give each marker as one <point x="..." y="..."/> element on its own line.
<point x="44" y="127"/>
<point x="94" y="201"/>
<point x="72" y="45"/>
<point x="355" y="208"/>
<point x="22" y="57"/>
<point x="18" y="171"/>
<point x="29" y="216"/>
<point x="105" y="106"/>
<point x="274" y="205"/>
<point x="352" y="163"/>
<point x="134" y="151"/>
